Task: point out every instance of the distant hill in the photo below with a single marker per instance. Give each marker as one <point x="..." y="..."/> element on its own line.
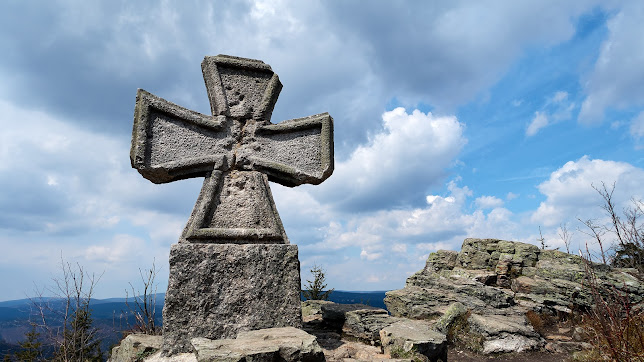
<point x="109" y="316"/>
<point x="374" y="299"/>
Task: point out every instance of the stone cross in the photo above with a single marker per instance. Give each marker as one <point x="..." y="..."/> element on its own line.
<point x="233" y="268"/>
<point x="237" y="149"/>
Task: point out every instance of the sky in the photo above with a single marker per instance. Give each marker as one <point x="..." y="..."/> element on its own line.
<point x="452" y="119"/>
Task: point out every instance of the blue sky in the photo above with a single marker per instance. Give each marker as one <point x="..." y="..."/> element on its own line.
<point x="453" y="119"/>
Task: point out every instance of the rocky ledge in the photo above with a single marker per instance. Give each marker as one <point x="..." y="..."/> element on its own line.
<point x="499" y="289"/>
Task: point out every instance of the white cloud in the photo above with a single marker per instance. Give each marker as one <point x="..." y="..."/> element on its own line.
<point x="370" y="255"/>
<point x="488" y="202"/>
<point x="569" y="194"/>
<point x="399" y="163"/>
<point x="511" y="196"/>
<point x="120" y="249"/>
<point x="559" y="97"/>
<point x="399" y="248"/>
<point x="615" y="82"/>
<point x="539" y="121"/>
<point x="556" y="108"/>
<point x="637" y="126"/>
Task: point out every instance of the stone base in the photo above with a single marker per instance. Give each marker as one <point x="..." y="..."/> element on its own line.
<point x="218" y="290"/>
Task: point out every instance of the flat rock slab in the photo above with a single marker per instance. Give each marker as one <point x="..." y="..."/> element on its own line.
<point x="135" y="345"/>
<point x="414" y="336"/>
<point x="505" y="333"/>
<point x="216" y="291"/>
<point x="365" y="324"/>
<point x="274" y="344"/>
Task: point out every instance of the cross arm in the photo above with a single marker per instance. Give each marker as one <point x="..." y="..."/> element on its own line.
<point x="170" y="142"/>
<point x="294" y="152"/>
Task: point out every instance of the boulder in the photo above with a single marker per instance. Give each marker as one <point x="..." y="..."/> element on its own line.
<point x="442" y="259"/>
<point x="503" y="333"/>
<point x="274" y="344"/>
<point x="453" y="312"/>
<point x="334" y="314"/>
<point x="136" y="346"/>
<point x="365" y="324"/>
<point x="414" y="338"/>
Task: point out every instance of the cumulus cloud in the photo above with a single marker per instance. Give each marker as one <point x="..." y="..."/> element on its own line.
<point x="615" y="82"/>
<point x="397" y="165"/>
<point x="386" y="238"/>
<point x="488" y="202"/>
<point x="570" y="195"/>
<point x="511" y="196"/>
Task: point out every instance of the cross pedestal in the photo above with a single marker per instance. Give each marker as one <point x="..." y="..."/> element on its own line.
<point x="233" y="268"/>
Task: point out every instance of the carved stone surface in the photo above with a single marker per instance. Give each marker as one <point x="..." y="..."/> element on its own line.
<point x="218" y="290"/>
<point x="237" y="150"/>
<point x="231" y="270"/>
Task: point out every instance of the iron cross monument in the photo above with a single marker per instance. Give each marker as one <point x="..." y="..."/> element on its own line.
<point x="233" y="268"/>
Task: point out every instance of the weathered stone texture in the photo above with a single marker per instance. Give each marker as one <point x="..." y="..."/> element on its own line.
<point x="416" y="337"/>
<point x="499" y="281"/>
<point x="365" y="324"/>
<point x="218" y="290"/>
<point x="286" y="344"/>
<point x="224" y="278"/>
<point x="135" y="345"/>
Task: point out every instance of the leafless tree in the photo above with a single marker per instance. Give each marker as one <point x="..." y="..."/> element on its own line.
<point x="143" y="304"/>
<point x="542" y="240"/>
<point x="65" y="317"/>
<point x="596" y="232"/>
<point x="565" y="236"/>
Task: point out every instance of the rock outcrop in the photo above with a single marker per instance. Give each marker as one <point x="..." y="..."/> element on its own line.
<point x="497" y="282"/>
<point x="414" y="337"/>
<point x="271" y="344"/>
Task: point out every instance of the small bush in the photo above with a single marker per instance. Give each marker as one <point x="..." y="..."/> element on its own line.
<point x="412" y="354"/>
<point x="460" y="335"/>
<point x="616" y="328"/>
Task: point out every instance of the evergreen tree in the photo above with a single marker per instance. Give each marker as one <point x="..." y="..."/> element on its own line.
<point x="31" y="348"/>
<point x="80" y="342"/>
<point x="315" y="290"/>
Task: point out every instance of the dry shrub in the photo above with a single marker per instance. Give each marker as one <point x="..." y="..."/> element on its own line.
<point x="616" y="328"/>
<point x="536" y="321"/>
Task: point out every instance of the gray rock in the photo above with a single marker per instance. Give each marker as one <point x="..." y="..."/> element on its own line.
<point x="218" y="290"/>
<point x="442" y="259"/>
<point x="313" y="307"/>
<point x="446" y="321"/>
<point x="504" y="277"/>
<point x="567" y="346"/>
<point x="413" y="336"/>
<point x="135" y="346"/>
<point x="275" y="344"/>
<point x="499" y="281"/>
<point x="365" y="324"/>
<point x="494" y="325"/>
<point x="509" y="343"/>
<point x="334" y="314"/>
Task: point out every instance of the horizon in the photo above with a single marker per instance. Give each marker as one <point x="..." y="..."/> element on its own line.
<point x="451" y="119"/>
